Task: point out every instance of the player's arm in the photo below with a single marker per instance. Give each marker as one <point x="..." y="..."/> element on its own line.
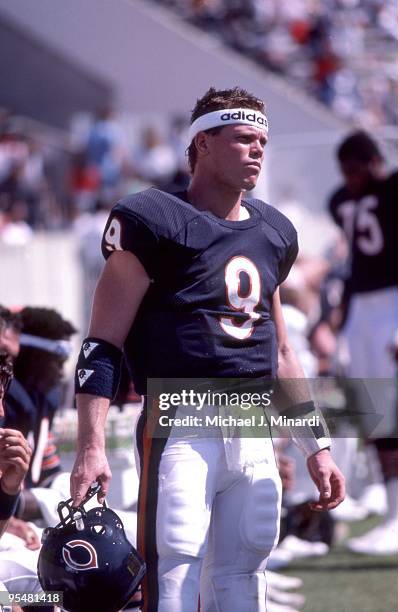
<point x="296" y="396"/>
<point x="15" y="455"/>
<point x="118" y="295"/>
<point x="288" y="365"/>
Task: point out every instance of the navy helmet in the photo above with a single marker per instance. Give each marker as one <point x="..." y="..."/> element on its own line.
<point x="89" y="559"/>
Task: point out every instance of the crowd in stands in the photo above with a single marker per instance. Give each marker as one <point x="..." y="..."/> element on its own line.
<point x="108" y="164"/>
<point x="343" y="52"/>
<point x="22" y="183"/>
<point x="47" y="187"/>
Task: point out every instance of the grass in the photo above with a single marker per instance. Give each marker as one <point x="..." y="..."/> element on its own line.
<point x="344" y="582"/>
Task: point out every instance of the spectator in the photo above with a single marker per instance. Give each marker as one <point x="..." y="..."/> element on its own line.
<point x="155" y="160"/>
<point x="15" y="230"/>
<point x="106" y="148"/>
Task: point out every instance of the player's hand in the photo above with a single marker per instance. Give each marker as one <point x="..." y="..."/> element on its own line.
<point x="15" y="454"/>
<point x="329" y="481"/>
<point x="91" y="465"/>
<point x="287" y="468"/>
<point x="24" y="531"/>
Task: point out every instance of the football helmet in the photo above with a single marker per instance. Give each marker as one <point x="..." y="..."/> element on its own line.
<point x="88" y="557"/>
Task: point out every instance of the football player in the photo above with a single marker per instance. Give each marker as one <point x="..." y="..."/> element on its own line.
<point x="35" y="393"/>
<point x="191" y="289"/>
<point x="17" y="564"/>
<point x="15" y="454"/>
<point x="365" y="207"/>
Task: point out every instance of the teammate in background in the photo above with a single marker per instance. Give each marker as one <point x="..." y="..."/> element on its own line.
<point x="39" y="368"/>
<point x="191" y="289"/>
<point x="17" y="564"/>
<point x="14" y="454"/>
<point x="9" y="347"/>
<point x="14" y="450"/>
<point x="366" y="209"/>
<point x="34" y="395"/>
<point x="12" y="469"/>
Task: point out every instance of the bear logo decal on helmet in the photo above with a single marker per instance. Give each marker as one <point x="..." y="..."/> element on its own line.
<point x="67" y="555"/>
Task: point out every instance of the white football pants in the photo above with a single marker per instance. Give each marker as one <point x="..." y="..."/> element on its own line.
<point x="370" y="328"/>
<point x="215" y="525"/>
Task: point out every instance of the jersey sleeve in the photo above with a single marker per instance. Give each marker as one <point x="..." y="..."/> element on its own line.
<point x="127" y="232"/>
<point x="288" y="259"/>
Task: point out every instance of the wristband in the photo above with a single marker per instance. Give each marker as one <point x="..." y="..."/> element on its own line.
<point x="8" y="504"/>
<point x="98" y="368"/>
<point x="307" y="427"/>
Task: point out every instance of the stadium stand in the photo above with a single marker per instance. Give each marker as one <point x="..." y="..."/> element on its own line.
<point x="343" y="52"/>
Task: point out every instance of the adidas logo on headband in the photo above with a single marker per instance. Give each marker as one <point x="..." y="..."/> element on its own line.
<point x="250" y="117"/>
<point x="228" y="116"/>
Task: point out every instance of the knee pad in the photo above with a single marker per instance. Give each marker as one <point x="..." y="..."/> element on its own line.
<point x="179" y="532"/>
<point x="182" y="518"/>
<point x="260" y="521"/>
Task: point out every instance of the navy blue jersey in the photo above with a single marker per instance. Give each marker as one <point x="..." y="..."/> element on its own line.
<point x="207" y="312"/>
<point x="25" y="410"/>
<point x="20" y="411"/>
<point x="371" y="227"/>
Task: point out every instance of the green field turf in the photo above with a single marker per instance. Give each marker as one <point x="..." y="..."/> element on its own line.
<point x="344" y="582"/>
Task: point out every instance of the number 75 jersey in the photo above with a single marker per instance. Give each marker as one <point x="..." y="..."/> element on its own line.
<point x="370" y="224"/>
<point x="207" y="312"/>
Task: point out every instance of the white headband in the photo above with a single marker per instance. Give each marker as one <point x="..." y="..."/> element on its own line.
<point x="63" y="348"/>
<point x="227" y="116"/>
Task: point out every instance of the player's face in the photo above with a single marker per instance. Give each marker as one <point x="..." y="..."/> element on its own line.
<point x="52" y="371"/>
<point x="357" y="175"/>
<point x="55" y="371"/>
<point x="9" y="341"/>
<point x="236" y="155"/>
